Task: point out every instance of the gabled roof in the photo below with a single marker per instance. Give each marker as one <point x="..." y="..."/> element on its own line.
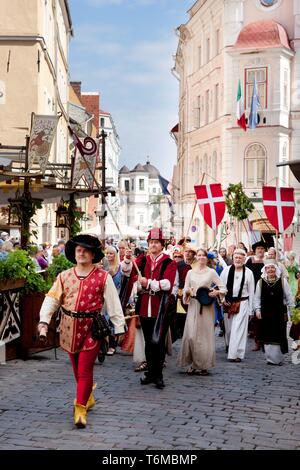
<point x="138" y="168"/>
<point x="124" y="169"/>
<point x="262" y="35"/>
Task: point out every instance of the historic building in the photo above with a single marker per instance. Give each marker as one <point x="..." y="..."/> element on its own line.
<point x="222" y="42"/>
<point x="34" y="53"/>
<point x="142" y="204"/>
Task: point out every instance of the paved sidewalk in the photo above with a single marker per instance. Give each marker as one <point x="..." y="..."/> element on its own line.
<point x="250" y="405"/>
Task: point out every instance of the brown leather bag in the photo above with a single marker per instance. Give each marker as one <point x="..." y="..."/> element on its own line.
<point x="233" y="308"/>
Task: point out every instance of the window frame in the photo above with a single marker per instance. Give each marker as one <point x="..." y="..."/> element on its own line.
<point x="246" y="71"/>
<point x="255" y="160"/>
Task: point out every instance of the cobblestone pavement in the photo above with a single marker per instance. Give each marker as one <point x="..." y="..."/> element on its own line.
<point x="250" y="405"/>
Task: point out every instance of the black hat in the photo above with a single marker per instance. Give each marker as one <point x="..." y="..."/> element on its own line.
<point x="203" y="297"/>
<point x="260" y="243"/>
<point x="87" y="241"/>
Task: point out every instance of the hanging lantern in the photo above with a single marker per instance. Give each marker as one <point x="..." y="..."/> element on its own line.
<point x="62" y="215"/>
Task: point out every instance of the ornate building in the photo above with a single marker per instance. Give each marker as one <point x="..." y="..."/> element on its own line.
<point x="222" y="42"/>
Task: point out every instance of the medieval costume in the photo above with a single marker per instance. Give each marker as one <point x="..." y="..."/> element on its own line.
<point x="198" y="341"/>
<point x="153" y="304"/>
<point x="80" y="299"/>
<point x="240" y="287"/>
<point x="272" y="298"/>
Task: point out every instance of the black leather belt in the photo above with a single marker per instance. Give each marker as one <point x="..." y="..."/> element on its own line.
<point x="80" y="314"/>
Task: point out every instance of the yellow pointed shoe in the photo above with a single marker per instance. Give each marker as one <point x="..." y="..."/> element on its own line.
<point x="91" y="401"/>
<point x="80" y="416"/>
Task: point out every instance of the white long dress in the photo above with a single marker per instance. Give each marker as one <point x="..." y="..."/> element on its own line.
<point x="198" y="341"/>
<point x="236" y="327"/>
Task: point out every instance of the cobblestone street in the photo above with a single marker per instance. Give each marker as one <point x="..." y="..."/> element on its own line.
<point x="239" y="406"/>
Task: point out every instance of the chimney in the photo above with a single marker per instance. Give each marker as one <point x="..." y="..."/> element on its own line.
<point x="77" y="88"/>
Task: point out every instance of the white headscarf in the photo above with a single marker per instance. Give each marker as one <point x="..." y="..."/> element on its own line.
<point x="270" y="262"/>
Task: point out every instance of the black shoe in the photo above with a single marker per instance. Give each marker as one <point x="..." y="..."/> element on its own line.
<point x="159" y="383"/>
<point x="146" y="380"/>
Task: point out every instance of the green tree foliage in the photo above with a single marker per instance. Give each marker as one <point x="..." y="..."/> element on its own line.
<point x="237" y="202"/>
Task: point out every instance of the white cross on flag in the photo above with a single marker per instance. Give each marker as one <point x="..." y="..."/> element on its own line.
<point x="279" y="206"/>
<point x="211" y="203"/>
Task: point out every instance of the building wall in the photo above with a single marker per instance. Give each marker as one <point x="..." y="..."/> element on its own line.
<point x="34" y="38"/>
<point x="209" y="140"/>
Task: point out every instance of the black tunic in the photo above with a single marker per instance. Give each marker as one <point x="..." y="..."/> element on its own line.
<point x="273" y="312"/>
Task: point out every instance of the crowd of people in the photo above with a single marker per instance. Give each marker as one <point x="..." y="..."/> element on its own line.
<point x="177" y="291"/>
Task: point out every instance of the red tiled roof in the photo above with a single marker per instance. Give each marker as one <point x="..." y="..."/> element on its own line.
<point x="104" y="112"/>
<point x="262" y="35"/>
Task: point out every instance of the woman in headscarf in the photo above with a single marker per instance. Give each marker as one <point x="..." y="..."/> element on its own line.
<point x="273" y="297"/>
<point x="114" y="269"/>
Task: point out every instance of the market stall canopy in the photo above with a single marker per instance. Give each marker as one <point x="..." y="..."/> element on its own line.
<point x="46" y="192"/>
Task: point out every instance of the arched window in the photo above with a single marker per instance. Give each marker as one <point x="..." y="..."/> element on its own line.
<point x="255" y="166"/>
<point x="214" y="169"/>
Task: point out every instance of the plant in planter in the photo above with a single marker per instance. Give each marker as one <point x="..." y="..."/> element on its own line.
<point x="18" y="265"/>
<point x="59" y="264"/>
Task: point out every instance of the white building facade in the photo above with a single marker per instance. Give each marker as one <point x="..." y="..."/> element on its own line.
<point x="225" y="41"/>
<point x="142" y="204"/>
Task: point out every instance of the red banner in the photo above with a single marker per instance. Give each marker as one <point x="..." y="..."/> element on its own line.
<point x="211" y="203"/>
<point x="279" y="206"/>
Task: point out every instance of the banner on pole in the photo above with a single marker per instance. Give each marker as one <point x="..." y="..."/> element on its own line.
<point x="211" y="203"/>
<point x="279" y="206"/>
<point x="42" y="133"/>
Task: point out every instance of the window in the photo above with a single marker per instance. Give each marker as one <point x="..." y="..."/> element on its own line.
<point x="284" y="170"/>
<point x="154" y="190"/>
<point x="126" y="186"/>
<point x="141" y="184"/>
<point x="197" y="112"/>
<point x="141" y="218"/>
<point x="214" y="167"/>
<point x="199" y="57"/>
<point x="285" y="89"/>
<point x="197" y="168"/>
<point x="207" y="107"/>
<point x="205" y="163"/>
<point x="261" y="75"/>
<point x="102" y="122"/>
<point x="217" y="88"/>
<point x="132" y="185"/>
<point x="218" y="48"/>
<point x="207" y="50"/>
<point x="255" y="166"/>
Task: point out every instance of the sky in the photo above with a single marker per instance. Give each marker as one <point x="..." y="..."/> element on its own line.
<point x="124" y="49"/>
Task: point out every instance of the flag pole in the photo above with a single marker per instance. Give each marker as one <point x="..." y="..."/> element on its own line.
<point x="122" y="236"/>
<point x="190" y="223"/>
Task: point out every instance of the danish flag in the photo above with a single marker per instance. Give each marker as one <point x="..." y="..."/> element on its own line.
<point x="279" y="206"/>
<point x="211" y="203"/>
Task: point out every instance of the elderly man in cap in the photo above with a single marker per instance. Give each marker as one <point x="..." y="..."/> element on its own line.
<point x="239" y="281"/>
<point x="155" y="283"/>
<point x="81" y="292"/>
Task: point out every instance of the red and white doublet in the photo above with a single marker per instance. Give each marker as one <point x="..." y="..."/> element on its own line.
<point x="150" y="300"/>
<point x="82" y="295"/>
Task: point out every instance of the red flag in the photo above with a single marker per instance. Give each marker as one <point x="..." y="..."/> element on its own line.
<point x="211" y="203"/>
<point x="279" y="206"/>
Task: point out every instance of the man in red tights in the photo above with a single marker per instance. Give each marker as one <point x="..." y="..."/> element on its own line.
<point x="81" y="292"/>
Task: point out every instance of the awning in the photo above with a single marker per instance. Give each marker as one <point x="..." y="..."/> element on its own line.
<point x="294" y="167"/>
<point x="47" y="193"/>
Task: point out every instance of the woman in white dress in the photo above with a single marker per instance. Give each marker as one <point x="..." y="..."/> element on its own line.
<point x="198" y="341"/>
<point x="239" y="281"/>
